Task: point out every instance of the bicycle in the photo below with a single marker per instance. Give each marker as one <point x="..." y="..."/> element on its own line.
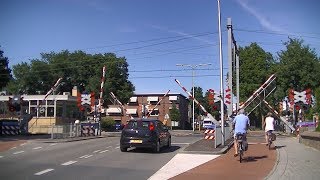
<point x="240" y="139"/>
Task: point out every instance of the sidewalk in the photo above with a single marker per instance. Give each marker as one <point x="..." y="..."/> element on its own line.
<point x="295" y="161"/>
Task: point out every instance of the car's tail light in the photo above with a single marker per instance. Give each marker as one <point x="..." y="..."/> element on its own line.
<point x="151" y="126"/>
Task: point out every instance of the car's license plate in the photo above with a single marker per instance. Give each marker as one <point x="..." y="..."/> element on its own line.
<point x="135" y="141"/>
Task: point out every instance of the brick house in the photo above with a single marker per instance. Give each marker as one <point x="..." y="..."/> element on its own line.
<point x="139" y="104"/>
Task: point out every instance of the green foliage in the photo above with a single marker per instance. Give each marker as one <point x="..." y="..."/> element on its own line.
<point x="256" y="66"/>
<point x="298" y="68"/>
<point x="198" y="94"/>
<point x="318" y="129"/>
<point x="174" y="113"/>
<point x="316" y="108"/>
<point x="5" y="71"/>
<point x="107" y="123"/>
<point x="77" y="69"/>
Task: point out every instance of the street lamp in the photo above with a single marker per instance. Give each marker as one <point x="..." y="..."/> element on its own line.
<point x="193" y="67"/>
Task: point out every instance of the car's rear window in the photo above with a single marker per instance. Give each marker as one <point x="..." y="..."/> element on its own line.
<point x="138" y="124"/>
<point x="207" y="122"/>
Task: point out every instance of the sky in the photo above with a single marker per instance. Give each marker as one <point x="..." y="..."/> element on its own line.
<point x="155" y="35"/>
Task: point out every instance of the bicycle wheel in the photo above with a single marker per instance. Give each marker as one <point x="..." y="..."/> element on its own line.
<point x="269" y="143"/>
<point x="240" y="152"/>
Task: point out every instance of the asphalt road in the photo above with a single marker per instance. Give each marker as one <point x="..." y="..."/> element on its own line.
<point x="89" y="159"/>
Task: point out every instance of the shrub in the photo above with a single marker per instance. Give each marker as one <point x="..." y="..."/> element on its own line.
<point x="107" y="123"/>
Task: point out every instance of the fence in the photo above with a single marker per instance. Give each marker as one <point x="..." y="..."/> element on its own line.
<point x="66" y="130"/>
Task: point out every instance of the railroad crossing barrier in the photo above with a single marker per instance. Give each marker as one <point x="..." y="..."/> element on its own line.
<point x="209" y="134"/>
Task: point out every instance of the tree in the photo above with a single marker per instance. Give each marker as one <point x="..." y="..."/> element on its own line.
<point x="5" y="71"/>
<point x="77" y="69"/>
<point x="298" y="68"/>
<point x="256" y="66"/>
<point x="174" y="113"/>
<point x="198" y="94"/>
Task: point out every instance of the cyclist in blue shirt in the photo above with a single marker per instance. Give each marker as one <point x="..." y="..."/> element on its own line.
<point x="240" y="125"/>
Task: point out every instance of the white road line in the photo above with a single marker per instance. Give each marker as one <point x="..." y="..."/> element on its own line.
<point x="68" y="163"/>
<point x="37" y="147"/>
<point x="88" y="156"/>
<point x="109" y="147"/>
<point x="84" y="156"/>
<point x="104" y="151"/>
<point x="13" y="147"/>
<point x="42" y="172"/>
<point x="18" y="152"/>
<point x="253" y="143"/>
<point x="118" y="147"/>
<point x="53" y="144"/>
<point x="96" y="151"/>
<point x="180" y="143"/>
<point x="181" y="163"/>
<point x="1" y="156"/>
<point x="23" y="144"/>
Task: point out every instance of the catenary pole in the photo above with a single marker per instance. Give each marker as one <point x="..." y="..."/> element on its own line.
<point x="221" y="76"/>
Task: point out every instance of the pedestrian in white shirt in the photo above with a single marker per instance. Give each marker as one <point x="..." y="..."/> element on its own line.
<point x="268" y="125"/>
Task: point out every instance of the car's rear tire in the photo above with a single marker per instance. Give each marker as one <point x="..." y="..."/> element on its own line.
<point x="123" y="149"/>
<point x="156" y="149"/>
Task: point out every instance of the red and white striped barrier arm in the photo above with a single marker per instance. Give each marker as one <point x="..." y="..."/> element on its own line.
<point x="101" y="87"/>
<point x="258" y="91"/>
<point x="149" y="112"/>
<point x="191" y="97"/>
<point x="120" y="104"/>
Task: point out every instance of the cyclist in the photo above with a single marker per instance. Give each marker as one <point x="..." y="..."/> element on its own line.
<point x="269" y="125"/>
<point x="240" y="125"/>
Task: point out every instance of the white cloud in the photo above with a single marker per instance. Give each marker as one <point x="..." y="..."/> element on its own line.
<point x="260" y="17"/>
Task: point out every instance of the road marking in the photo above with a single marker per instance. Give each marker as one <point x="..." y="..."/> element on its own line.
<point x="18" y="152"/>
<point x="37" y="147"/>
<point x="13" y="147"/>
<point x="1" y="156"/>
<point x="181" y="163"/>
<point x="104" y="151"/>
<point x="96" y="151"/>
<point x="42" y="172"/>
<point x="253" y="143"/>
<point x="23" y="144"/>
<point x="109" y="147"/>
<point x="68" y="163"/>
<point x="86" y="156"/>
<point x="53" y="144"/>
<point x="180" y="143"/>
<point x="118" y="147"/>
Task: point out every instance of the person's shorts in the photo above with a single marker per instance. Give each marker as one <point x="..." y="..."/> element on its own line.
<point x="242" y="136"/>
<point x="269" y="132"/>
